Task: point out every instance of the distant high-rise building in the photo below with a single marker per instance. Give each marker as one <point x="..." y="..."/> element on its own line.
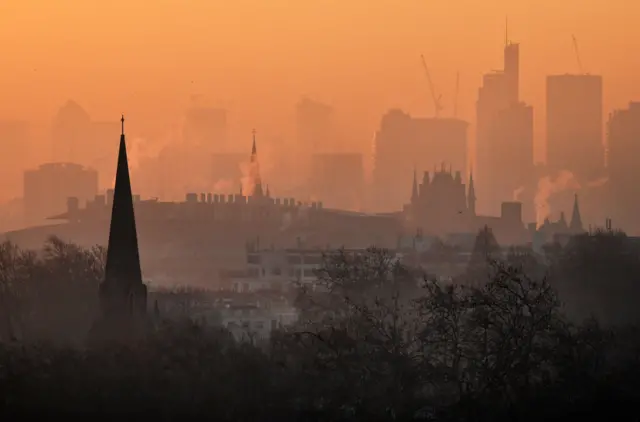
<point x="71" y="134"/>
<point x="103" y="154"/>
<point x="48" y="189"/>
<point x="512" y="161"/>
<point x="314" y="126"/>
<point x="623" y="139"/>
<point x="403" y="143"/>
<point x="504" y="135"/>
<point x="512" y="72"/>
<point x="337" y="179"/>
<point x="574" y="125"/>
<point x="15" y="137"/>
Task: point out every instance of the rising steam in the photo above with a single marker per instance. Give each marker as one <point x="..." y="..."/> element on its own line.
<point x="517" y="193"/>
<point x="547" y="187"/>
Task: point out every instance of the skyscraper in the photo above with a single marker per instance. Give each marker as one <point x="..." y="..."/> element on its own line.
<point x="314" y="123"/>
<point x="623" y="136"/>
<point x="504" y="136"/>
<point x="574" y="125"/>
<point x="403" y="143"/>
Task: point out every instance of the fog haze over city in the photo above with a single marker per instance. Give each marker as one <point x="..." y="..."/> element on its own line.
<point x="320" y="210"/>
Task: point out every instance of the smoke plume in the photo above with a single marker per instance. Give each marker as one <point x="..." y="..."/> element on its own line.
<point x="517" y="193"/>
<point x="598" y="182"/>
<point x="547" y="187"/>
<point x="224" y="186"/>
<point x="250" y="174"/>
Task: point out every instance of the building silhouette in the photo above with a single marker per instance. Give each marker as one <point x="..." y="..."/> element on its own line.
<point x="338" y="178"/>
<point x="574" y="125"/>
<point x="623" y="141"/>
<point x="76" y="138"/>
<point x="55" y="187"/>
<point x="123" y="295"/>
<point x="314" y="126"/>
<point x="504" y="136"/>
<point x="15" y="138"/>
<point x="442" y="204"/>
<point x="403" y="142"/>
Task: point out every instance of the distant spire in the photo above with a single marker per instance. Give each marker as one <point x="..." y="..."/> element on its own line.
<point x="576" y="220"/>
<point x="414" y="190"/>
<point x="471" y="195"/>
<point x="122" y="124"/>
<point x="255" y="169"/>
<point x="268" y="193"/>
<point x="254" y="151"/>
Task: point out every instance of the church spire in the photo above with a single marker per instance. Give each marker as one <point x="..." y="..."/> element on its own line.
<point x="122" y="290"/>
<point x="255" y="169"/>
<point x="254" y="151"/>
<point x="471" y="195"/>
<point x="576" y="220"/>
<point x="414" y="189"/>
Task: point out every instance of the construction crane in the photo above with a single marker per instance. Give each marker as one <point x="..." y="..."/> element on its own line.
<point x="436" y="98"/>
<point x="577" y="52"/>
<point x="455" y="100"/>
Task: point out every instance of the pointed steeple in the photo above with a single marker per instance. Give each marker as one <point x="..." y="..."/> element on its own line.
<point x="268" y="193"/>
<point x="576" y="220"/>
<point x="123" y="291"/>
<point x="255" y="169"/>
<point x="254" y="150"/>
<point x="471" y="195"/>
<point x="414" y="189"/>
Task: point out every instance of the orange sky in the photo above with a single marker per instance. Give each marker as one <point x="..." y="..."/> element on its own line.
<point x="257" y="57"/>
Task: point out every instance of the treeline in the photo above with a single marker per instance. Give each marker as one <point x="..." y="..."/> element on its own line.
<point x="516" y="338"/>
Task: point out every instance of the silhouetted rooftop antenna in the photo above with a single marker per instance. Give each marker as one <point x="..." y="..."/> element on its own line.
<point x="506" y="31"/>
<point x="436" y="98"/>
<point x="577" y="52"/>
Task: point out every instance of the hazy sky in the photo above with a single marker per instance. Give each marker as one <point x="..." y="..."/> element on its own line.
<point x="147" y="57"/>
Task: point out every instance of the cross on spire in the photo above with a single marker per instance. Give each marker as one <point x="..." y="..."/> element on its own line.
<point x="122" y="123"/>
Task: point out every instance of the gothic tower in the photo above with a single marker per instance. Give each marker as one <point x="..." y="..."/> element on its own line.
<point x="123" y="295"/>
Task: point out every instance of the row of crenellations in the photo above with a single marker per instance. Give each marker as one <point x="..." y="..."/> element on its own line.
<point x="209" y="198"/>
